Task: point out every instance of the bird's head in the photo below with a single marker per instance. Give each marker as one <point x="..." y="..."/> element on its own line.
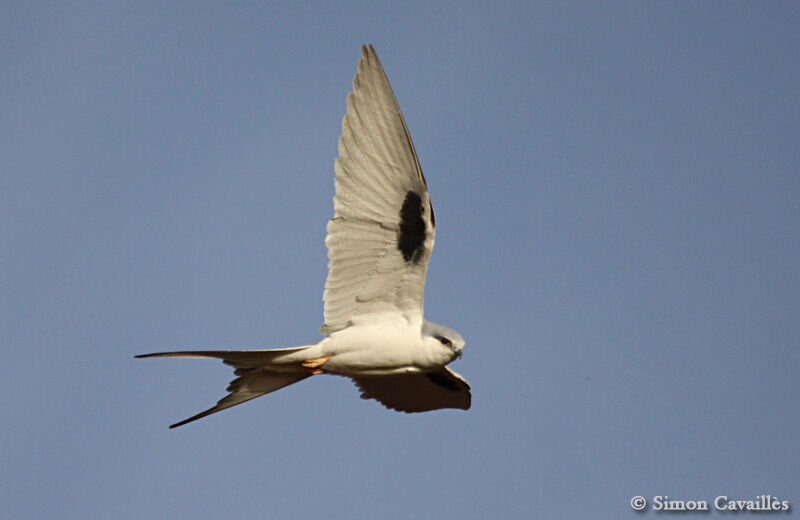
<point x="445" y="338"/>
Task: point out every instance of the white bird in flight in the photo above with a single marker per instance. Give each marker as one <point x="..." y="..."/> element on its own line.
<point x="379" y="242"/>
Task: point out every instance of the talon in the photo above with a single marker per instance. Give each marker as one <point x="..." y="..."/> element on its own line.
<point x="315" y="364"/>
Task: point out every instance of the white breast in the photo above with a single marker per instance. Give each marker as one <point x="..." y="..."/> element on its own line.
<point x="379" y="349"/>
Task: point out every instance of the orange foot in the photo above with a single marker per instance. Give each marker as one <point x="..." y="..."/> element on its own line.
<point x="315" y="364"/>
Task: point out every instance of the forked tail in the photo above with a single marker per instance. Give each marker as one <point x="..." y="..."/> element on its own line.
<point x="259" y="373"/>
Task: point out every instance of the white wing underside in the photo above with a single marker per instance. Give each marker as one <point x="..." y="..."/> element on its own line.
<point x="377" y="168"/>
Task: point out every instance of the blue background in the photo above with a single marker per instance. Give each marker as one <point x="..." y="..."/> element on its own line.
<point x="616" y="190"/>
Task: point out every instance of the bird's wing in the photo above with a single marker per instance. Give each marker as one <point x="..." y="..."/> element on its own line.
<point x="419" y="392"/>
<point x="381" y="236"/>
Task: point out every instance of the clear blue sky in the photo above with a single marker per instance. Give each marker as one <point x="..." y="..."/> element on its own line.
<point x="616" y="192"/>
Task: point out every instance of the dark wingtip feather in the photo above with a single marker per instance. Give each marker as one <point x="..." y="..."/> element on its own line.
<point x="162" y="354"/>
<point x="191" y="419"/>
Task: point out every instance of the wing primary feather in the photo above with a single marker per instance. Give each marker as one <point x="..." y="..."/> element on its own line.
<point x="369" y="53"/>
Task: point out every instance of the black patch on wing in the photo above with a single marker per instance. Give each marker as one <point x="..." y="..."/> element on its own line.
<point x="440" y="379"/>
<point x="411" y="239"/>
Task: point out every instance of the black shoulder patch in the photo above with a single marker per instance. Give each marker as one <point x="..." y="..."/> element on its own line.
<point x="440" y="379"/>
<point x="411" y="238"/>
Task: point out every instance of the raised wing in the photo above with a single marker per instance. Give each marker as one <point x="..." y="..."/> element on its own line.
<point x="417" y="392"/>
<point x="381" y="236"/>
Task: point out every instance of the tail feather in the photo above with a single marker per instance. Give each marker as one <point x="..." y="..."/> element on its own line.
<point x="256" y="376"/>
<point x="234" y="358"/>
<point x="255" y="383"/>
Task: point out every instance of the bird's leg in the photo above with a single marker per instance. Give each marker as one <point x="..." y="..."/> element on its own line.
<point x="315" y="364"/>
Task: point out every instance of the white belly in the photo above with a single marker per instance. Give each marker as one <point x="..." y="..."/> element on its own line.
<point x="378" y="350"/>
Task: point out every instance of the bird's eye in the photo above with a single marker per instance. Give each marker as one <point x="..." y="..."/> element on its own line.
<point x="445" y="341"/>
